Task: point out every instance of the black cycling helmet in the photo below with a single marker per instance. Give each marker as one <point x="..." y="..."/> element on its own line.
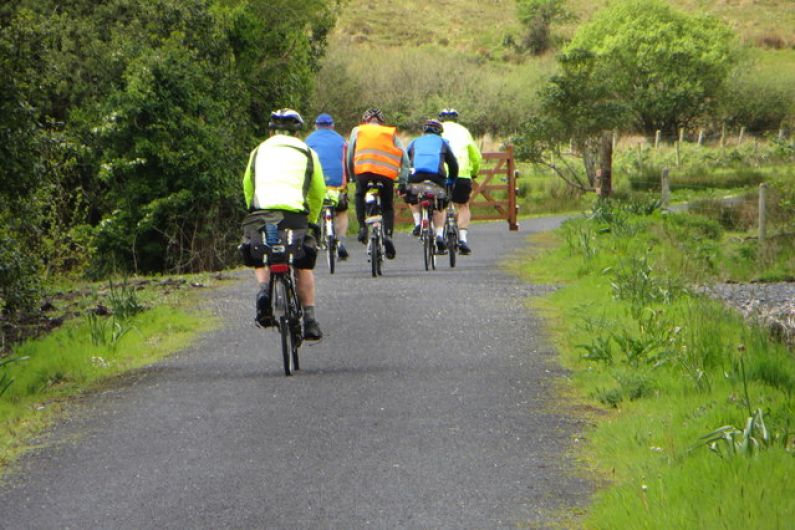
<point x="449" y="114"/>
<point x="286" y="120"/>
<point x="433" y="126"/>
<point x="373" y="112"/>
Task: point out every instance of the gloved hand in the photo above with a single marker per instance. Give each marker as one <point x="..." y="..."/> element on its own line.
<point x="315" y="229"/>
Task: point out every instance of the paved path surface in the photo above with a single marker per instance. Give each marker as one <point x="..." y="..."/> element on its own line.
<point x="426" y="406"/>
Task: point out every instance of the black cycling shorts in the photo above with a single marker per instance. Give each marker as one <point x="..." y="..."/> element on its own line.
<point x="342" y="204"/>
<point x="462" y="189"/>
<point x="252" y="248"/>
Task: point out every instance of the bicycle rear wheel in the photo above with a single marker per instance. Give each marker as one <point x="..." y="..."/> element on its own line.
<point x="380" y="262"/>
<point x="375" y="252"/>
<point x="428" y="249"/>
<point x="331" y="252"/>
<point x="452" y="243"/>
<point x="287" y="345"/>
<point x="296" y="334"/>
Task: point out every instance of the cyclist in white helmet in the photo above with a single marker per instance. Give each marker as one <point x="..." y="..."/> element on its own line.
<point x="284" y="180"/>
<point x="469" y="159"/>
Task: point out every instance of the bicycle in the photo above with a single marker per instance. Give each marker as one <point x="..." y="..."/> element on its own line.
<point x="281" y="247"/>
<point x="451" y="230"/>
<point x="430" y="196"/>
<point x="375" y="222"/>
<point x="328" y="235"/>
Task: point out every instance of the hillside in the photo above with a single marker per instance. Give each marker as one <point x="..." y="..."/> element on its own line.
<point x="480" y="26"/>
<point x="413" y="56"/>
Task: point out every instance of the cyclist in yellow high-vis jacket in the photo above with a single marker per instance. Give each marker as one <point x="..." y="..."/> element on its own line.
<point x="284" y="178"/>
<point x="469" y="158"/>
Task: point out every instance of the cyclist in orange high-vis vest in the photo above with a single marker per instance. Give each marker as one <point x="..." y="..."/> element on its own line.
<point x="376" y="154"/>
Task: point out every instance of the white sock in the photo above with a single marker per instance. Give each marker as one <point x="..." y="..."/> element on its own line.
<point x="462" y="234"/>
<point x="417" y="218"/>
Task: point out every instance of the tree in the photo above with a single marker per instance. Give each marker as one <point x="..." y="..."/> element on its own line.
<point x="668" y="66"/>
<point x="537" y="16"/>
<point x="576" y="111"/>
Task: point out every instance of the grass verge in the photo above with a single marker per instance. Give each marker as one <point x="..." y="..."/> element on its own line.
<point x="698" y="430"/>
<point x="39" y="376"/>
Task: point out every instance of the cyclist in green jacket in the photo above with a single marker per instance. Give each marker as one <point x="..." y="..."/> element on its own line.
<point x="469" y="158"/>
<point x="284" y="179"/>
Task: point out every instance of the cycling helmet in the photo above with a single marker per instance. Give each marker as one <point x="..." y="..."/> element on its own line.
<point x="324" y="119"/>
<point x="286" y="120"/>
<point x="373" y="112"/>
<point x="432" y="126"/>
<point x="448" y="114"/>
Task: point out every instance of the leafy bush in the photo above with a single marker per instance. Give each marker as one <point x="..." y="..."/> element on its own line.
<point x="19" y="275"/>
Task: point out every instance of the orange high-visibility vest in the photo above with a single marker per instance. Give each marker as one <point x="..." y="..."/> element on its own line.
<point x="376" y="151"/>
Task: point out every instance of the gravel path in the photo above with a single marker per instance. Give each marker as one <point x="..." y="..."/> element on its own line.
<point x="427" y="405"/>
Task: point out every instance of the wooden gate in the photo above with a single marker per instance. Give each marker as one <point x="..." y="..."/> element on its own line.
<point x="493" y="192"/>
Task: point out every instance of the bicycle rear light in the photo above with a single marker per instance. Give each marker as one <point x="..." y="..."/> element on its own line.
<point x="280" y="267"/>
<point x="425" y="204"/>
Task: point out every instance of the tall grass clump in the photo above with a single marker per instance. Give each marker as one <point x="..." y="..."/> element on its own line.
<point x="699" y="399"/>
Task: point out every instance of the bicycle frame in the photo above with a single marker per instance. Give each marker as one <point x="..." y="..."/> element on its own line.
<point x="286" y="307"/>
<point x="429" y="195"/>
<point x="451" y="230"/>
<point x="374" y="220"/>
<point x="328" y="236"/>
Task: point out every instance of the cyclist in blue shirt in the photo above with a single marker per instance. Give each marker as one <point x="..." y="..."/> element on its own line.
<point x="429" y="154"/>
<point x="330" y="147"/>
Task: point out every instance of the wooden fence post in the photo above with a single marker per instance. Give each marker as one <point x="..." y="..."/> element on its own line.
<point x="700" y="136"/>
<point x="606" y="166"/>
<point x="513" y="206"/>
<point x="762" y="212"/>
<point x="723" y="135"/>
<point x="742" y="133"/>
<point x="681" y="134"/>
<point x="665" y="187"/>
<point x="657" y="138"/>
<point x="677" y="154"/>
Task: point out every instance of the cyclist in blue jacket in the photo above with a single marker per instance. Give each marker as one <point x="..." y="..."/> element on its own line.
<point x="429" y="154"/>
<point x="330" y="148"/>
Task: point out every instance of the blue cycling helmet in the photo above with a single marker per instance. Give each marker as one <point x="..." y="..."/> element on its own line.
<point x="324" y="119"/>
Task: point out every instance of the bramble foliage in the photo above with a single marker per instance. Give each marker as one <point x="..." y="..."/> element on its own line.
<point x="125" y="127"/>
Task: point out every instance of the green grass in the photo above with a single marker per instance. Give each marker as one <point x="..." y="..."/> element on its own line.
<point x="76" y="358"/>
<point x="668" y="368"/>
